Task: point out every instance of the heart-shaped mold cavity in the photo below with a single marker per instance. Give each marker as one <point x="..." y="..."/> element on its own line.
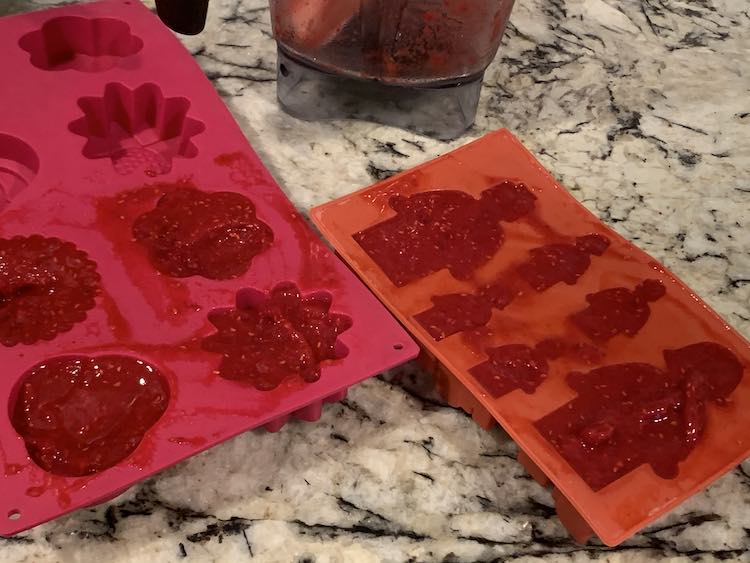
<point x="80" y="415"/>
<point x="137" y="129"/>
<point x="19" y="165"/>
<point x="267" y="338"/>
<point x="88" y="45"/>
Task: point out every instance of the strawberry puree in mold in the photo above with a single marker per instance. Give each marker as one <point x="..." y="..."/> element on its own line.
<point x="214" y="235"/>
<point x="266" y="339"/>
<point x="80" y="415"/>
<point x="436" y="230"/>
<point x="46" y="286"/>
<point x="136" y="175"/>
<point x="566" y="350"/>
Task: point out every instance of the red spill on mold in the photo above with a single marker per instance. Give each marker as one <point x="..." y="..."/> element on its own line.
<point x="443" y="229"/>
<point x="46" y="286"/>
<point x="626" y="415"/>
<point x="80" y="415"/>
<point x="266" y="339"/>
<point x="195" y="233"/>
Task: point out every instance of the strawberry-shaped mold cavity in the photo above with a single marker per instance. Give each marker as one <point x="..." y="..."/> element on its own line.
<point x="195" y="233"/>
<point x="268" y="338"/>
<point x="88" y="45"/>
<point x="46" y="286"/>
<point x="81" y="415"/>
<point x="19" y="164"/>
<point x="137" y="129"/>
<point x="443" y="229"/>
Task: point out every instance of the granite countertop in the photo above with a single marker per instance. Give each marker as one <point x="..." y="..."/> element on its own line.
<point x="642" y="109"/>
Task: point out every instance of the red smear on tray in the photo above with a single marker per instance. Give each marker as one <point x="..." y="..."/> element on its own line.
<point x="80" y="415"/>
<point x="46" y="286"/>
<point x="266" y="339"/>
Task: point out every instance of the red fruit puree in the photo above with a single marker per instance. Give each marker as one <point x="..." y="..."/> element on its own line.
<point x="626" y="415"/>
<point x="46" y="286"/>
<point x="273" y="337"/>
<point x="194" y="233"/>
<point x="80" y="415"/>
<point x="443" y="229"/>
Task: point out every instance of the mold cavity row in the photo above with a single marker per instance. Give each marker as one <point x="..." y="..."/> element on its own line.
<point x="84" y="44"/>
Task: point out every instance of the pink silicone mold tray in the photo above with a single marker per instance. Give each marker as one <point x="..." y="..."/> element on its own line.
<point x="158" y="292"/>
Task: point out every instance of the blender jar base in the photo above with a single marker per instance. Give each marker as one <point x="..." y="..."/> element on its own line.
<point x="443" y="112"/>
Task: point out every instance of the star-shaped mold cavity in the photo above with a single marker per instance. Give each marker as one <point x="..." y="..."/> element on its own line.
<point x="137" y="129"/>
<point x="268" y="338"/>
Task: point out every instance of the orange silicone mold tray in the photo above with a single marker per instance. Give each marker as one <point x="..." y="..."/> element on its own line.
<point x="622" y="388"/>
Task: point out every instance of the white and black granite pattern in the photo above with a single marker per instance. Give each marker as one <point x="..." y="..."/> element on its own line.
<point x="642" y="109"/>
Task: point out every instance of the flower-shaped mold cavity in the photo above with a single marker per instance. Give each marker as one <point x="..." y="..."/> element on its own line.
<point x="269" y="337"/>
<point x="80" y="415"/>
<point x="137" y="129"/>
<point x="46" y="286"/>
<point x="88" y="45"/>
<point x="19" y="165"/>
<point x="194" y="233"/>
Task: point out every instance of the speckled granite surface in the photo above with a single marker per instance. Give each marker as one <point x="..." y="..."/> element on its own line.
<point x="642" y="109"/>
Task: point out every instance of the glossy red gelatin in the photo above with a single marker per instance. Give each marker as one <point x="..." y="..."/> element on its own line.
<point x="195" y="233"/>
<point x="266" y="339"/>
<point x="46" y="286"/>
<point x="80" y="415"/>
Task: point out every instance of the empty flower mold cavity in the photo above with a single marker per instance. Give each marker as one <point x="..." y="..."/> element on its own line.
<point x="79" y="415"/>
<point x="19" y="164"/>
<point x="88" y="45"/>
<point x="138" y="130"/>
<point x="269" y="337"/>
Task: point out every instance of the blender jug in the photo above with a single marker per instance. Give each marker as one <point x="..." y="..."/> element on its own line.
<point x="416" y="64"/>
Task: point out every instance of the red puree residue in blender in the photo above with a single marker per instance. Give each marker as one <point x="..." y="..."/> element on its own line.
<point x="618" y="310"/>
<point x="277" y="336"/>
<point x="626" y="415"/>
<point x="46" y="286"/>
<point x="80" y="415"/>
<point x="557" y="263"/>
<point x="443" y="229"/>
<point x="194" y="233"/>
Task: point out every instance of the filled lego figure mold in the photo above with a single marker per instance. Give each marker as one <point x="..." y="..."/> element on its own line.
<point x="627" y="415"/>
<point x="443" y="229"/>
<point x="81" y="415"/>
<point x="618" y="311"/>
<point x="46" y="286"/>
<point x="195" y="233"/>
<point x="266" y="339"/>
<point x="566" y="263"/>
